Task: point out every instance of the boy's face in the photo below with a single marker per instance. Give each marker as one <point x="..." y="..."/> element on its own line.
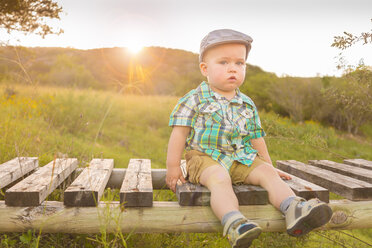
<point x="224" y="67"/>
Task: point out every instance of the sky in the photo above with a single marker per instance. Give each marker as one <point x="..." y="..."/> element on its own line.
<point x="290" y="37"/>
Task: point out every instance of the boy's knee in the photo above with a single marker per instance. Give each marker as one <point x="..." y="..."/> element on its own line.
<point x="216" y="177"/>
<point x="261" y="173"/>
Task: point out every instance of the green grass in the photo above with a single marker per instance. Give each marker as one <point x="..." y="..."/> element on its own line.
<point x="48" y="122"/>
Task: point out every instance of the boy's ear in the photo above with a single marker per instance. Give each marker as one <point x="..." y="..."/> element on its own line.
<point x="203" y="69"/>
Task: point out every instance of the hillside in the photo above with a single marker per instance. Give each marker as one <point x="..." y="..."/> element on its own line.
<point x="155" y="70"/>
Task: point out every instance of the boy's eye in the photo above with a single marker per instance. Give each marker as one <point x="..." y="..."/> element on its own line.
<point x="223" y="62"/>
<point x="239" y="63"/>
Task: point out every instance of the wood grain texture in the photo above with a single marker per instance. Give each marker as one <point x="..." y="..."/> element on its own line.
<point x="163" y="217"/>
<point x="362" y="163"/>
<point x="344" y="169"/>
<point x="306" y="189"/>
<point x="88" y="187"/>
<point x="35" y="188"/>
<point x="189" y="194"/>
<point x="16" y="168"/>
<point x="136" y="190"/>
<point x="345" y="186"/>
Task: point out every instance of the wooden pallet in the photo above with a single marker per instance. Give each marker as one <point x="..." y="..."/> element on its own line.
<point x="25" y="204"/>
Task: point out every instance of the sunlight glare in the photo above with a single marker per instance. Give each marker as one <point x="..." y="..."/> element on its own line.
<point x="134" y="48"/>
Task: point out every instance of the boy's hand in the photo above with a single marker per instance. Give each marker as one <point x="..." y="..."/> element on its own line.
<point x="172" y="177"/>
<point x="283" y="175"/>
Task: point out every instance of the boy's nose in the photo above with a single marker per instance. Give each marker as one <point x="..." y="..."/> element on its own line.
<point x="232" y="68"/>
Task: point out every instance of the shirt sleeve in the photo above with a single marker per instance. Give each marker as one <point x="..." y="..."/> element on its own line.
<point x="184" y="113"/>
<point x="254" y="127"/>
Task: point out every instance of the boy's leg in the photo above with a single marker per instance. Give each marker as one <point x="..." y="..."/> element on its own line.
<point x="204" y="170"/>
<point x="267" y="177"/>
<point x="301" y="216"/>
<point x="224" y="204"/>
<point x="223" y="198"/>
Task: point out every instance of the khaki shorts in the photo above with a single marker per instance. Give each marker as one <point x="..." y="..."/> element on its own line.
<point x="197" y="162"/>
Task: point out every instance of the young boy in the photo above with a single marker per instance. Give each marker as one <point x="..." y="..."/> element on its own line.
<point x="223" y="136"/>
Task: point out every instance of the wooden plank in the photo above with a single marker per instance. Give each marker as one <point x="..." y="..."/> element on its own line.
<point x="345" y="186"/>
<point x="136" y="190"/>
<point x="88" y="187"/>
<point x="307" y="190"/>
<point x="16" y="168"/>
<point x="251" y="195"/>
<point x="189" y="194"/>
<point x="118" y="174"/>
<point x="344" y="169"/>
<point x="35" y="188"/>
<point x="362" y="163"/>
<point x="163" y="217"/>
<point x="196" y="195"/>
<point x="301" y="187"/>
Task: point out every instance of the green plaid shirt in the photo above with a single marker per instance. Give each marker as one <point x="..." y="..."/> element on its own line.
<point x="219" y="127"/>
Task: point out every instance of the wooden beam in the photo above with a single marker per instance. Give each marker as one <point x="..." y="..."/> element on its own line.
<point x="307" y="189"/>
<point x="347" y="187"/>
<point x="88" y="187"/>
<point x="16" y="168"/>
<point x="362" y="163"/>
<point x="251" y="195"/>
<point x="163" y="217"/>
<point x="118" y="174"/>
<point x="344" y="169"/>
<point x="189" y="194"/>
<point x="301" y="187"/>
<point x="136" y="190"/>
<point x="35" y="188"/>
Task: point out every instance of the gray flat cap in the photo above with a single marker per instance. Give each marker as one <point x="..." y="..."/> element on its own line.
<point x="224" y="36"/>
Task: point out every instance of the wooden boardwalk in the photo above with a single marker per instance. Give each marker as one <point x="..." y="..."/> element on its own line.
<point x="27" y="186"/>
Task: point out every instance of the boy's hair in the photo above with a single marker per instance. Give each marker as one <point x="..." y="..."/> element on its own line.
<point x="224" y="36"/>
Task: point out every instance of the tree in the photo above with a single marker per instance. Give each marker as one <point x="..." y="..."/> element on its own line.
<point x="29" y="16"/>
<point x="350" y="100"/>
<point x="348" y="39"/>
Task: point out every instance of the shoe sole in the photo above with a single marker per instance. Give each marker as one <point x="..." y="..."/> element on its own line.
<point x="245" y="240"/>
<point x="317" y="217"/>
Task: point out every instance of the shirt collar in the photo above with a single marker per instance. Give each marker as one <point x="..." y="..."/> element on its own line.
<point x="205" y="92"/>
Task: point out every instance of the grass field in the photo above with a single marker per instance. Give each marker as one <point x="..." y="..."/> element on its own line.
<point x="48" y="122"/>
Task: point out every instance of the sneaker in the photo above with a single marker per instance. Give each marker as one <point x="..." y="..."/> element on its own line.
<point x="303" y="216"/>
<point x="242" y="232"/>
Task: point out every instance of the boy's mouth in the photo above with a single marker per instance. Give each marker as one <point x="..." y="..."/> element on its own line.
<point x="232" y="78"/>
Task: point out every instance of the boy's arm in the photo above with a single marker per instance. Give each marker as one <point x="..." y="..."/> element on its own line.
<point x="259" y="144"/>
<point x="176" y="146"/>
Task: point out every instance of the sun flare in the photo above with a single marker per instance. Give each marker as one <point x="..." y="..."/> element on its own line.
<point x="134" y="48"/>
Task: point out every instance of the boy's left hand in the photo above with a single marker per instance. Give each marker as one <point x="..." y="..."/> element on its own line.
<point x="283" y="175"/>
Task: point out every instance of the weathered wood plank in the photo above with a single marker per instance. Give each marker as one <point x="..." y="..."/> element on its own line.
<point x="163" y="217"/>
<point x="118" y="174"/>
<point x="301" y="187"/>
<point x="136" y="190"/>
<point x="345" y="186"/>
<point x="16" y="168"/>
<point x="362" y="163"/>
<point x="307" y="189"/>
<point x="189" y="194"/>
<point x="36" y="187"/>
<point x="250" y="195"/>
<point x="344" y="169"/>
<point x="88" y="187"/>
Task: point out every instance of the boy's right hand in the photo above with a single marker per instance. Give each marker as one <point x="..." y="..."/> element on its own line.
<point x="172" y="177"/>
